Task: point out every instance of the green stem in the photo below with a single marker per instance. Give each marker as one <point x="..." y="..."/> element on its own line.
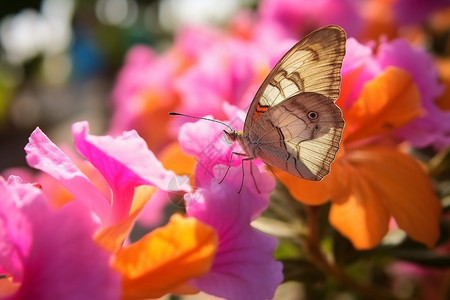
<point x="318" y="257"/>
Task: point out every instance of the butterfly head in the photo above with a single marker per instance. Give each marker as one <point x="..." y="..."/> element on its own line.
<point x="231" y="136"/>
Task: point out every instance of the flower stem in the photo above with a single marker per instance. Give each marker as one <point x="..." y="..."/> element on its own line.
<point x="327" y="266"/>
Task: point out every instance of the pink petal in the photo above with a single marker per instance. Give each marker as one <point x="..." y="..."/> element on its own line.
<point x="296" y="16"/>
<point x="356" y="55"/>
<point x="14" y="231"/>
<point x="224" y="73"/>
<point x="63" y="261"/>
<point x="413" y="12"/>
<point x="153" y="213"/>
<point x="244" y="267"/>
<point x="42" y="154"/>
<point x="125" y="162"/>
<point x="236" y="115"/>
<point x="134" y="81"/>
<point x="196" y="41"/>
<point x="359" y="58"/>
<point x="205" y="140"/>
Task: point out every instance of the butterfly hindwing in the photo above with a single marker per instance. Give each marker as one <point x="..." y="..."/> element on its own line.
<point x="300" y="135"/>
<point x="312" y="65"/>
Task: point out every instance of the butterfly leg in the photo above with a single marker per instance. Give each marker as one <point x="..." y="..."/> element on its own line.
<point x="251" y="172"/>
<point x="248" y="158"/>
<point x="229" y="164"/>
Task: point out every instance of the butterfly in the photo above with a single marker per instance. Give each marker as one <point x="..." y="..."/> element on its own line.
<point x="293" y="123"/>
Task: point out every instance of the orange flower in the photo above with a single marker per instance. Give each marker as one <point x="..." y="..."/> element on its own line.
<point x="371" y="180"/>
<point x="165" y="259"/>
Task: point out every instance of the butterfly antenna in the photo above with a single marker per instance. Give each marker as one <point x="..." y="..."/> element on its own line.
<point x="200" y="118"/>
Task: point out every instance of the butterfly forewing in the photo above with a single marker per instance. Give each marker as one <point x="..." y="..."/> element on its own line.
<point x="312" y="65"/>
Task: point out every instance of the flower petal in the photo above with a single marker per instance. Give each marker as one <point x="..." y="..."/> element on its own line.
<point x="318" y="192"/>
<point x="62" y="262"/>
<point x="112" y="237"/>
<point x="15" y="230"/>
<point x="44" y="155"/>
<point x="166" y="258"/>
<point x="433" y="126"/>
<point x="387" y="102"/>
<point x="205" y="140"/>
<point x="405" y="190"/>
<point x="173" y="158"/>
<point x="244" y="267"/>
<point x="362" y="217"/>
<point x="111" y="156"/>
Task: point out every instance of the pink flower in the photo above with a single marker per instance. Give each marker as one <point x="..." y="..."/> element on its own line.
<point x="410" y="12"/>
<point x="56" y="193"/>
<point x="144" y="91"/>
<point x="205" y="140"/>
<point x="125" y="163"/>
<point x="296" y="18"/>
<point x="227" y="72"/>
<point x="202" y="71"/>
<point x="50" y="253"/>
<point x="195" y="41"/>
<point x="433" y="127"/>
<point x="243" y="267"/>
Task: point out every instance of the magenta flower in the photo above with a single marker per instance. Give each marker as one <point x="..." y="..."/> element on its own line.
<point x="49" y="253"/>
<point x="195" y="41"/>
<point x="205" y="141"/>
<point x="243" y="267"/>
<point x="135" y="75"/>
<point x="209" y="151"/>
<point x="433" y="127"/>
<point x="125" y="163"/>
<point x="410" y="12"/>
<point x="227" y="72"/>
<point x="298" y="17"/>
<point x="144" y="90"/>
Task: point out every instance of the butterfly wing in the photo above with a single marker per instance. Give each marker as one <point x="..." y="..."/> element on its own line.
<point x="300" y="135"/>
<point x="312" y="65"/>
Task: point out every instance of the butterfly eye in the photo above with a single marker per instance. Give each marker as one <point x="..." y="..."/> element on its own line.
<point x="312" y="115"/>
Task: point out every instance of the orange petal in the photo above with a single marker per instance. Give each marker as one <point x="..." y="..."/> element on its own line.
<point x="332" y="186"/>
<point x="153" y="104"/>
<point x="443" y="102"/>
<point x="112" y="237"/>
<point x="386" y="103"/>
<point x="405" y="189"/>
<point x="8" y="287"/>
<point x="362" y="218"/>
<point x="379" y="20"/>
<point x="173" y="158"/>
<point x="165" y="259"/>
